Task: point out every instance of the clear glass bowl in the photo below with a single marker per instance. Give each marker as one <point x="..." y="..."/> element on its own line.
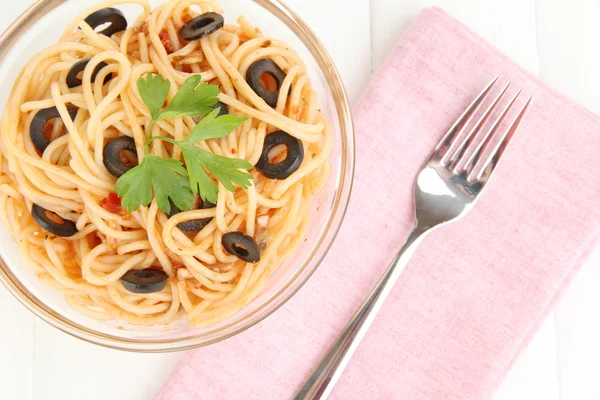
<point x="39" y="27"/>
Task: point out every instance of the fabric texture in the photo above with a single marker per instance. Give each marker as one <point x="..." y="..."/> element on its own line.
<point x="477" y="290"/>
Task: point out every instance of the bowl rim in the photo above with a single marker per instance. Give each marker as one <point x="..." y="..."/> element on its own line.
<point x="281" y="11"/>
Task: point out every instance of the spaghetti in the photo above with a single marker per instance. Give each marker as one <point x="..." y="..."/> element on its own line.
<point x="69" y="179"/>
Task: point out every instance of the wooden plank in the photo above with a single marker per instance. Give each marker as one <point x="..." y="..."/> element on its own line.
<point x="569" y="55"/>
<point x="570" y="62"/>
<point x="508" y="24"/>
<point x="343" y="27"/>
<point x="18" y="331"/>
<point x="16" y="348"/>
<point x="534" y="375"/>
<point x="578" y="330"/>
<point x="70" y="369"/>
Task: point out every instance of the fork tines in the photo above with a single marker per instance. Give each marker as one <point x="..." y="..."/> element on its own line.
<point x="462" y="150"/>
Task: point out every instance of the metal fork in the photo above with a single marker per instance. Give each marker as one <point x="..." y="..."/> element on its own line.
<point x="446" y="188"/>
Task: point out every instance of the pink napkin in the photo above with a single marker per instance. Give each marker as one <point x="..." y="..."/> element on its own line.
<point x="476" y="291"/>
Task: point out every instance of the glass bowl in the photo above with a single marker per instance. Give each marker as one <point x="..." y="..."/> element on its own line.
<point x="39" y="27"/>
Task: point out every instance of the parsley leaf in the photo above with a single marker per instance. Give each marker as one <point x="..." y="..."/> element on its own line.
<point x="211" y="127"/>
<point x="154" y="91"/>
<point x="199" y="179"/>
<point x="226" y="170"/>
<point x="194" y="99"/>
<point x="164" y="177"/>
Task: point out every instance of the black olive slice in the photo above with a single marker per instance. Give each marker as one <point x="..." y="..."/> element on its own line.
<point x="202" y="26"/>
<point x="222" y="108"/>
<point x="64" y="229"/>
<point x="194" y="225"/>
<point x="144" y="281"/>
<point x="256" y="71"/>
<point x="112" y="155"/>
<point x="242" y="246"/>
<point x="293" y="160"/>
<point x="111" y="16"/>
<point x="72" y="79"/>
<point x="36" y="130"/>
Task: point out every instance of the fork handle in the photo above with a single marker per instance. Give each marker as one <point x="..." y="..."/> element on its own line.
<point x="324" y="377"/>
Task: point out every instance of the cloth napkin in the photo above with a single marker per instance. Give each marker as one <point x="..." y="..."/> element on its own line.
<point x="477" y="290"/>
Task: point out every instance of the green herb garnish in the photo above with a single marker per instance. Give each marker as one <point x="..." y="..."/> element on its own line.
<point x="194" y="99"/>
<point x="226" y="170"/>
<point x="167" y="179"/>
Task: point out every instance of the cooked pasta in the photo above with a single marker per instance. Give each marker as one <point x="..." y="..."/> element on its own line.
<point x="57" y="192"/>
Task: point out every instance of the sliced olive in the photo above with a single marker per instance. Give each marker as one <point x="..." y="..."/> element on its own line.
<point x="222" y="108"/>
<point x="194" y="225"/>
<point x="74" y="81"/>
<point x="291" y="163"/>
<point x="36" y="130"/>
<point x="144" y="281"/>
<point x="113" y="160"/>
<point x="64" y="229"/>
<point x="256" y="71"/>
<point x="242" y="246"/>
<point x="111" y="16"/>
<point x="202" y="26"/>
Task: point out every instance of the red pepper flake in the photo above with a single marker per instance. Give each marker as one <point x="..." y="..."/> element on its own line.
<point x="48" y="128"/>
<point x="96" y="239"/>
<point x="268" y="82"/>
<point x="233" y="151"/>
<point x="166" y="41"/>
<point x="54" y="218"/>
<point x="112" y="203"/>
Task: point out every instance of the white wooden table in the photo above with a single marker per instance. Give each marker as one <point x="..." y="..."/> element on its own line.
<point x="556" y="39"/>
